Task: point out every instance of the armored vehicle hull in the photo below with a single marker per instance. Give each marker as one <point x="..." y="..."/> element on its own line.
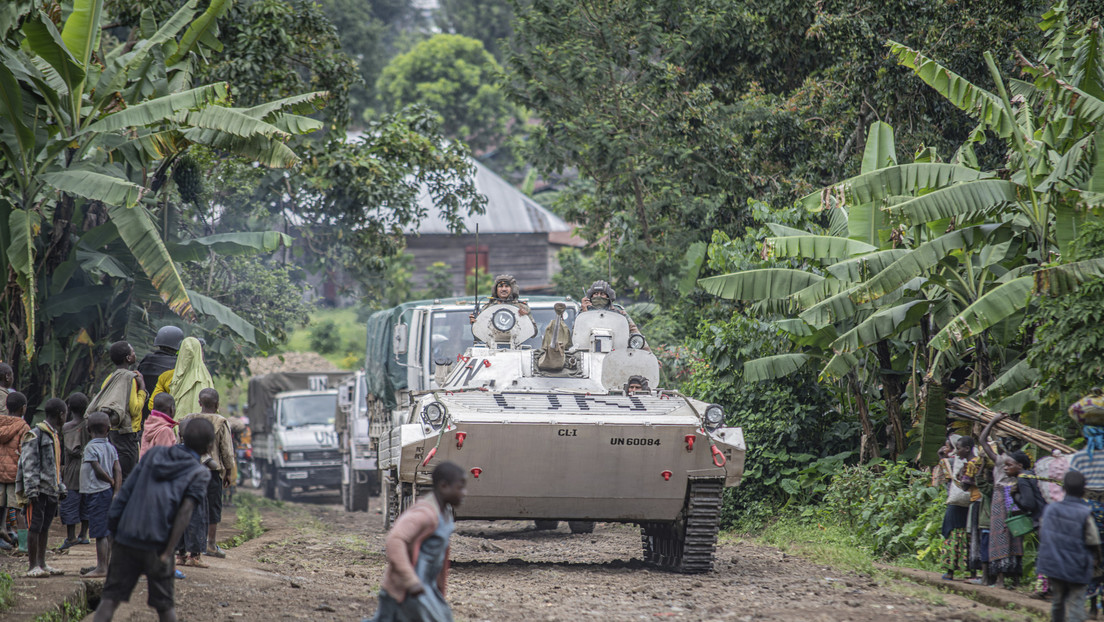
<point x="571" y="444"/>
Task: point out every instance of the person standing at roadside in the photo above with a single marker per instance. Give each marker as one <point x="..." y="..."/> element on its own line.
<point x="7" y="379"/>
<point x="100" y="480"/>
<point x="147" y="519"/>
<point x="121" y="396"/>
<point x="1069" y="546"/>
<point x="12" y="430"/>
<point x="187" y="379"/>
<point x="38" y="484"/>
<point x="160" y="360"/>
<point x="160" y="430"/>
<point x="74" y="436"/>
<point x="221" y="462"/>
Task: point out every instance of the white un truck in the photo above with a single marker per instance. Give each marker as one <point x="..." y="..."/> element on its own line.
<point x="294" y="439"/>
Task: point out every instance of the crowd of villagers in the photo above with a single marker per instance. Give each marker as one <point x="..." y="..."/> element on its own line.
<point x="997" y="496"/>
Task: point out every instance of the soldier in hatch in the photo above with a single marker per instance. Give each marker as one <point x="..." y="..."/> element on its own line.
<point x="506" y="292"/>
<point x="637" y="384"/>
<point x="600" y="297"/>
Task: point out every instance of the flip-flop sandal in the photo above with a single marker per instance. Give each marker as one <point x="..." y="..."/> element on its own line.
<point x="218" y="552"/>
<point x="65" y="545"/>
<point x="84" y="541"/>
<point x="180" y="575"/>
<point x="54" y="571"/>
<point x="36" y="573"/>
<point x="87" y="569"/>
<point x="196" y="562"/>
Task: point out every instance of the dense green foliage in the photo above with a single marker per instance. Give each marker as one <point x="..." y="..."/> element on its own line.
<point x="486" y="20"/>
<point x="456" y="78"/>
<point x="679" y="112"/>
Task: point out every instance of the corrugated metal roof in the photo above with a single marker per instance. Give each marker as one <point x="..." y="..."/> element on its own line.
<point x="508" y="210"/>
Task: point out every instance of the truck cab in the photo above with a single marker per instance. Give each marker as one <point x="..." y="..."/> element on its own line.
<point x="295" y="443"/>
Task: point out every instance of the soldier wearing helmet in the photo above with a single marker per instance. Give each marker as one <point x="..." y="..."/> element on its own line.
<point x="636" y="384"/>
<point x="162" y="359"/>
<point x="600" y="297"/>
<point x="506" y="292"/>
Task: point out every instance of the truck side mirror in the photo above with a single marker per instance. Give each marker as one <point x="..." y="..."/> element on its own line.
<point x="398" y="340"/>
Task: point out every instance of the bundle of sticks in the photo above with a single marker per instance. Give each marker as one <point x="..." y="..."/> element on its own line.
<point x="973" y="410"/>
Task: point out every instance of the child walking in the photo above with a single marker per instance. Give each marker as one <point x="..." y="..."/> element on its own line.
<point x="74" y="436"/>
<point x="101" y="477"/>
<point x="1069" y="545"/>
<point x="147" y="519"/>
<point x="413" y="586"/>
<point x="12" y="430"/>
<point x="38" y="484"/>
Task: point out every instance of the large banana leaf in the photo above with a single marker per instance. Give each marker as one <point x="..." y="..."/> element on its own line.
<point x="920" y="259"/>
<point x="268" y="152"/>
<point x="305" y="103"/>
<point x="93" y="185"/>
<point x="226" y="244"/>
<point x="295" y="124"/>
<point x="11" y="107"/>
<point x="882" y="325"/>
<point x="24" y="226"/>
<point x="200" y="30"/>
<point x="880" y="151"/>
<point x="205" y="305"/>
<point x="162" y="108"/>
<point x="230" y="121"/>
<point x="831" y="309"/>
<point x="759" y="284"/>
<point x="820" y="291"/>
<point x="901" y="180"/>
<point x="774" y="367"/>
<point x="863" y="267"/>
<point x="839" y="365"/>
<point x="784" y="231"/>
<point x="81" y="32"/>
<point x="995" y="305"/>
<point x="1015" y="378"/>
<point x="691" y="266"/>
<point x="976" y="197"/>
<point x="136" y="229"/>
<point x="1065" y="278"/>
<point x="1016" y="402"/>
<point x="45" y="41"/>
<point x="818" y="246"/>
<point x="975" y="101"/>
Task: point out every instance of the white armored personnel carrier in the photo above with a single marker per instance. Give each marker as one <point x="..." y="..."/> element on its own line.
<point x="569" y="443"/>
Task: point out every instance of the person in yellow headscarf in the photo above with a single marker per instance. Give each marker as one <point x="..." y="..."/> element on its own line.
<point x="187" y="379"/>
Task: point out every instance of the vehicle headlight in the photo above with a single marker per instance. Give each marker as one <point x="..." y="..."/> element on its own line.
<point x="503" y="320"/>
<point x="636" y="341"/>
<point x="714" y="416"/>
<point x="293" y="456"/>
<point x="434" y="414"/>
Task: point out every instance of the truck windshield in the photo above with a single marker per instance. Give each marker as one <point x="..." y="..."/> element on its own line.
<point x="308" y="409"/>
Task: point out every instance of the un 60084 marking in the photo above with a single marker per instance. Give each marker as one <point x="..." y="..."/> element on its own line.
<point x="634" y="441"/>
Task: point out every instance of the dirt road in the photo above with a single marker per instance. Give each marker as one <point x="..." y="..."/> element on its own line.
<point x="317" y="562"/>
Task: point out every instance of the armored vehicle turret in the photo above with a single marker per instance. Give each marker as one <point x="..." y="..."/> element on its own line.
<point x="568" y="440"/>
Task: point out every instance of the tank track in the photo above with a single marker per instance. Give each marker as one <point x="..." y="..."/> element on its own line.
<point x="687" y="545"/>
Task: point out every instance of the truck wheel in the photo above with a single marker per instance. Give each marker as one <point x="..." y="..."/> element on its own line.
<point x="269" y="480"/>
<point x="545" y="525"/>
<point x="254" y="475"/>
<point x="390" y="500"/>
<point x="581" y="526"/>
<point x="283" y="493"/>
<point x="346" y="497"/>
<point x="358" y="491"/>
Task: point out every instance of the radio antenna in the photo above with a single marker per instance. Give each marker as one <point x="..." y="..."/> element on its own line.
<point x="475" y="286"/>
<point x="609" y="252"/>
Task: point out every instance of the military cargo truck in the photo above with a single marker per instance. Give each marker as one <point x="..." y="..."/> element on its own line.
<point x="291" y="415"/>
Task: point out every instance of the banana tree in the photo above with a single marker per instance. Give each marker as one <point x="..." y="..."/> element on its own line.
<point x="89" y="134"/>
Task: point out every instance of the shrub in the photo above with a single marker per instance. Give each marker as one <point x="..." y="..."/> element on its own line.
<point x="325" y="337"/>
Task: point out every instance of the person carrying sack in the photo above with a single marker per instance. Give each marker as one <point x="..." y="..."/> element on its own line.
<point x="122" y="396"/>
